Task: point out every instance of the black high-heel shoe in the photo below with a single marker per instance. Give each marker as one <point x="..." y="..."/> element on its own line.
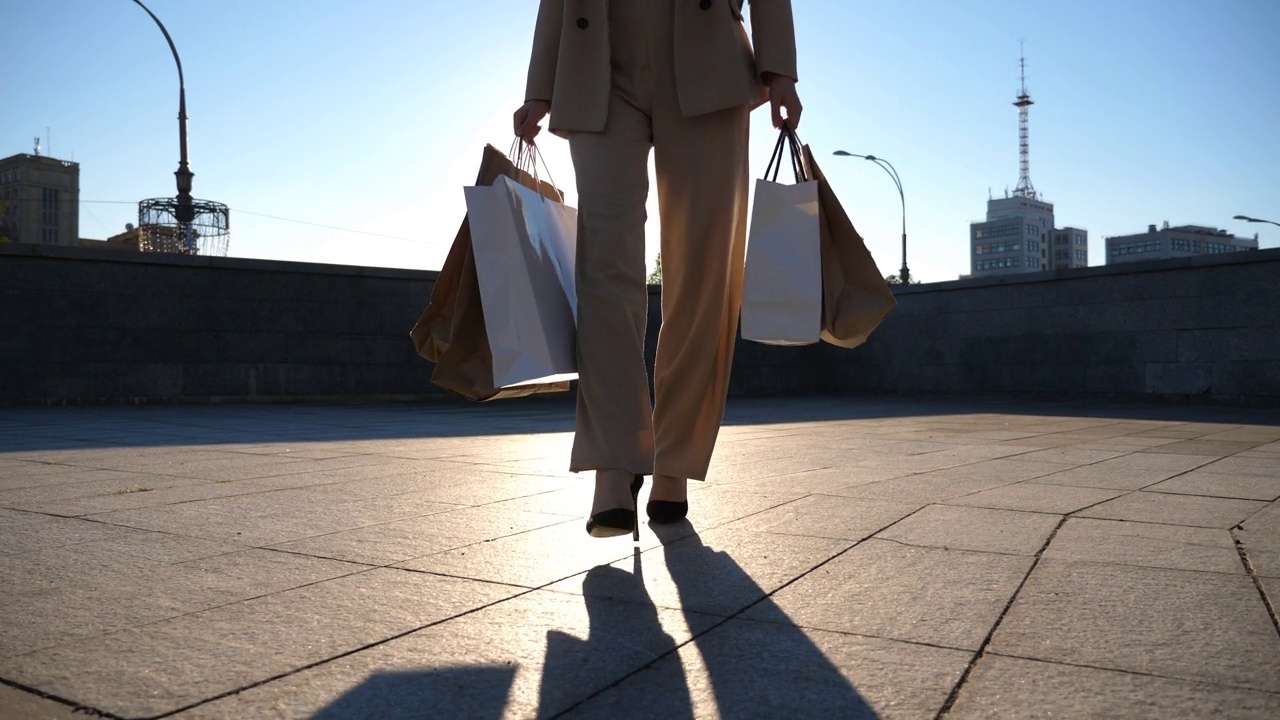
<point x="618" y="521"/>
<point x="665" y="512"/>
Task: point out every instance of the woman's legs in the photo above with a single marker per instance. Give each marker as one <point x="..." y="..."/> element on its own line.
<point x="614" y="431"/>
<point x="701" y="165"/>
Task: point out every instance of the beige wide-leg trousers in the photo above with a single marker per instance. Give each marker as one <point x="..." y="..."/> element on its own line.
<point x="701" y="166"/>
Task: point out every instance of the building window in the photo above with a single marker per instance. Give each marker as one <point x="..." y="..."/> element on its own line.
<point x="998" y="263"/>
<point x="1201" y="247"/>
<point x="990" y="248"/>
<point x="1081" y="239"/>
<point x="1136" y="248"/>
<point x="49" y="235"/>
<point x="986" y="233"/>
<point x="1080" y="256"/>
<point x="1033" y="229"/>
<point x="1059" y="254"/>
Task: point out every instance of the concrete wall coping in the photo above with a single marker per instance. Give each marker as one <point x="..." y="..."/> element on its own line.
<point x="1128" y="268"/>
<point x="226" y="263"/>
<point x="290" y="266"/>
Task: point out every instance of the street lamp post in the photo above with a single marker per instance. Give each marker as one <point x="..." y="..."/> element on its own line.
<point x="186" y="209"/>
<point x="904" y="274"/>
<point x="1246" y="218"/>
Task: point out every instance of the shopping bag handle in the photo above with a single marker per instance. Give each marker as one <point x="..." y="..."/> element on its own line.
<point x="788" y="139"/>
<point x="525" y="156"/>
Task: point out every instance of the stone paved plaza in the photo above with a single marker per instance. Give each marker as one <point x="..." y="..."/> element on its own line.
<point x="847" y="558"/>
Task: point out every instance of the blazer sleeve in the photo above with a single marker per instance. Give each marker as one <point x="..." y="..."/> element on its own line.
<point x="546" y="51"/>
<point x="773" y="37"/>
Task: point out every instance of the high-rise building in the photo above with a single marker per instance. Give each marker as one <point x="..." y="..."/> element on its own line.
<point x="39" y="200"/>
<point x="1018" y="235"/>
<point x="1014" y="238"/>
<point x="1069" y="249"/>
<point x="1172" y="242"/>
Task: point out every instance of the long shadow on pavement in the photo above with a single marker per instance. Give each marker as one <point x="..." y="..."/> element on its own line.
<point x="753" y="669"/>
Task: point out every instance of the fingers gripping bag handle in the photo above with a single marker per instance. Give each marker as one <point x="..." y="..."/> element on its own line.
<point x="788" y="141"/>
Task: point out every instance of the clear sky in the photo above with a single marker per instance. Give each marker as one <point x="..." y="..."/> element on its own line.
<point x="371" y="115"/>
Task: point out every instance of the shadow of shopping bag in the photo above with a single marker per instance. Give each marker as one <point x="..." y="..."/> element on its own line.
<point x="452" y="330"/>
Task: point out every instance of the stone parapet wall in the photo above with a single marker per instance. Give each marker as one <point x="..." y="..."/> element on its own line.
<point x="91" y="325"/>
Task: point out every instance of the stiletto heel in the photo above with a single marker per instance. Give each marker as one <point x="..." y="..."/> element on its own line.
<point x="665" y="512"/>
<point x="619" y="521"/>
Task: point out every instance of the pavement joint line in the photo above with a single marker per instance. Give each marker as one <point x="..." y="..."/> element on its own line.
<point x="1207" y="497"/>
<point x="523" y="591"/>
<point x="339" y="656"/>
<point x="1252" y="515"/>
<point x="986" y="641"/>
<point x="1076" y="512"/>
<point x="948" y="503"/>
<point x="76" y="707"/>
<point x="1136" y="673"/>
<point x="210" y="608"/>
<point x="948" y="548"/>
<point x="1257" y="582"/>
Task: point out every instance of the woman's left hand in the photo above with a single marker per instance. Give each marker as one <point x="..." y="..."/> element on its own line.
<point x="783" y="96"/>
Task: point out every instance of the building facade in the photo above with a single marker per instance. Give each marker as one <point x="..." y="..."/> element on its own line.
<point x="1069" y="249"/>
<point x="1019" y="236"/>
<point x="1173" y="242"/>
<point x="39" y="200"/>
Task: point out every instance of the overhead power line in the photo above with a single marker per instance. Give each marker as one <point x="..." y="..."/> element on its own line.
<point x="264" y="215"/>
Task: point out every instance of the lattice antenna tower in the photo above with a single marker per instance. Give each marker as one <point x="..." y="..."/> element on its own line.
<point x="1023" y="103"/>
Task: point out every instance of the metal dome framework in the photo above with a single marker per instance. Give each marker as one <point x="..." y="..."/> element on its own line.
<point x="161" y="230"/>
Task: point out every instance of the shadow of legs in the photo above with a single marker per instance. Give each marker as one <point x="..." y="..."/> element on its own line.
<point x="624" y="636"/>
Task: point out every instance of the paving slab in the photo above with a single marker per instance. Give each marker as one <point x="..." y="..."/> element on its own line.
<point x="1019" y="689"/>
<point x="948" y="598"/>
<point x="1266" y="519"/>
<point x="1171" y="509"/>
<point x="828" y="516"/>
<point x="1029" y="497"/>
<point x="1212" y="484"/>
<point x="402" y="560"/>
<point x="1204" y="627"/>
<point x="1126" y="472"/>
<point x="1146" y="545"/>
<point x="923" y="488"/>
<point x="746" y="669"/>
<point x="399" y="540"/>
<point x="1263" y="551"/>
<point x="972" y="528"/>
<point x="721" y="572"/>
<point x="529" y="559"/>
<point x="533" y="655"/>
<point x="184" y="660"/>
<point x="1210" y="448"/>
<point x="16" y="704"/>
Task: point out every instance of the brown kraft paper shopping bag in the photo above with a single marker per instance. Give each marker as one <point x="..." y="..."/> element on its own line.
<point x="855" y="296"/>
<point x="451" y="331"/>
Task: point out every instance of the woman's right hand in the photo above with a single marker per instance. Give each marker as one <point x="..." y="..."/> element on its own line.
<point x="527" y="118"/>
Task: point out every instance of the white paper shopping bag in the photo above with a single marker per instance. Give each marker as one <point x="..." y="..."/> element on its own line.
<point x="524" y="246"/>
<point x="782" y="287"/>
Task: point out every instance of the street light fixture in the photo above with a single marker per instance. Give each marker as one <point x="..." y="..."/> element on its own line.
<point x="904" y="274"/>
<point x="186" y="212"/>
<point x="1246" y="218"/>
<point x="182" y="224"/>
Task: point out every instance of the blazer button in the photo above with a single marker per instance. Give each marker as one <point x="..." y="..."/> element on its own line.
<point x="582" y="23"/>
<point x="705" y="4"/>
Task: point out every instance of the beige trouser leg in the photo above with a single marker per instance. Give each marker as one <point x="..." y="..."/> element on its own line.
<point x="701" y="168"/>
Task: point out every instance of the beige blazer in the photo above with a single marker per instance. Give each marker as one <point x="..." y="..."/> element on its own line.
<point x="716" y="67"/>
